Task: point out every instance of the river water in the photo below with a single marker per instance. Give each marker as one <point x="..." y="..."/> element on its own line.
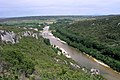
<point x="80" y="58"/>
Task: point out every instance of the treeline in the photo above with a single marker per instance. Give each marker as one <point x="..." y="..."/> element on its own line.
<point x="100" y="51"/>
<point x="21" y="24"/>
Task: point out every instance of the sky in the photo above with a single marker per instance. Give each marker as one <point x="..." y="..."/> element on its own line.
<point x="17" y="8"/>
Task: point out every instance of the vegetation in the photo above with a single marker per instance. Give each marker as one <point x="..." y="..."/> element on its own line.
<point x="99" y="38"/>
<point x="26" y="24"/>
<point x="36" y="59"/>
<point x="47" y="41"/>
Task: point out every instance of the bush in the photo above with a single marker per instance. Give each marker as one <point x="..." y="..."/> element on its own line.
<point x="47" y="41"/>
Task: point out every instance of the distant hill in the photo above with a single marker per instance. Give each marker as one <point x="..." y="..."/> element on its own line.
<point x="49" y="17"/>
<point x="103" y="30"/>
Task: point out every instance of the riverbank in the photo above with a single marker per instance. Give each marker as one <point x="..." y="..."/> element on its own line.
<point x="84" y="60"/>
<point x="98" y="61"/>
<point x="101" y="63"/>
<point x="61" y="51"/>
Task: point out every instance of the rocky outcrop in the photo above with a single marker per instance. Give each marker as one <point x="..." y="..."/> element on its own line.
<point x="35" y="35"/>
<point x="27" y="33"/>
<point x="30" y="33"/>
<point x="8" y="36"/>
<point x="95" y="71"/>
<point x="62" y="51"/>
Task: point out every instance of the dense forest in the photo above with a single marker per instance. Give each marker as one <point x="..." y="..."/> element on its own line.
<point x="36" y="59"/>
<point x="99" y="38"/>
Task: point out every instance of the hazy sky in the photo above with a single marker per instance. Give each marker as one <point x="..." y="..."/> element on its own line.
<point x="9" y="8"/>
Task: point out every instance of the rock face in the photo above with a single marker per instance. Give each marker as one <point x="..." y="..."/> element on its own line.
<point x="30" y="33"/>
<point x="27" y="33"/>
<point x="8" y="36"/>
<point x="35" y="35"/>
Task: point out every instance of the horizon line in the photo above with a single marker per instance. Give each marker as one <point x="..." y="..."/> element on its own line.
<point x="66" y="15"/>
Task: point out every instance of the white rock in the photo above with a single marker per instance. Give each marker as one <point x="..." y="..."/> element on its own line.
<point x="35" y="29"/>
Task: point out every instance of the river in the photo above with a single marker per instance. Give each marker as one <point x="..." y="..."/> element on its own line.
<point x="80" y="58"/>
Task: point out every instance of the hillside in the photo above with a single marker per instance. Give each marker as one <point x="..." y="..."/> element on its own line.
<point x="34" y="59"/>
<point x="103" y="30"/>
<point x="99" y="38"/>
